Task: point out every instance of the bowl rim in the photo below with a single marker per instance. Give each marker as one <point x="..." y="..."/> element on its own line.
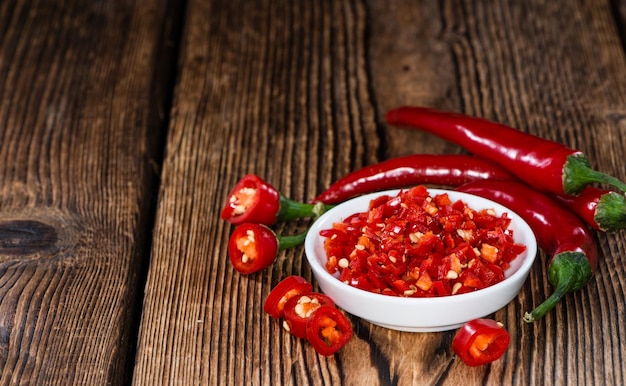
<point x="521" y="271"/>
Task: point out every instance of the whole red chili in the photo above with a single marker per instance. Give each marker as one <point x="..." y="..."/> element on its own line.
<point x="253" y="200"/>
<point x="253" y="247"/>
<point x="546" y="165"/>
<point x="415" y="169"/>
<point x="602" y="209"/>
<point x="559" y="232"/>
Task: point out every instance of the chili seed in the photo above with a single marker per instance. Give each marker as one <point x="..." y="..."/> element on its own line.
<point x="465" y="234"/>
<point x="415" y="236"/>
<point x="411" y="291"/>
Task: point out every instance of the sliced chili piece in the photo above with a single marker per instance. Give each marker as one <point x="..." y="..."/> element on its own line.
<point x="299" y="309"/>
<point x="252" y="247"/>
<point x="328" y="330"/>
<point x="287" y="288"/>
<point x="253" y="200"/>
<point x="480" y="341"/>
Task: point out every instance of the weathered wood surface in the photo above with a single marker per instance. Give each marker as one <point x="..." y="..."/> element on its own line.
<point x="296" y="92"/>
<point x="92" y="291"/>
<point x="81" y="125"/>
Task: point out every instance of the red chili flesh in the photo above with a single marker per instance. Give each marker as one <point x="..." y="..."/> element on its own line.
<point x="300" y="308"/>
<point x="283" y="291"/>
<point x="328" y="330"/>
<point x="252" y="247"/>
<point x="411" y="170"/>
<point x="415" y="245"/>
<point x="252" y="200"/>
<point x="480" y="341"/>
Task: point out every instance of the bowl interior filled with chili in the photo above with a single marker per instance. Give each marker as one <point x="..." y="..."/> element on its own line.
<point x="420" y="259"/>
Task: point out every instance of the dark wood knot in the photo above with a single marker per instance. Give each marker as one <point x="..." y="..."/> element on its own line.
<point x="23" y="237"/>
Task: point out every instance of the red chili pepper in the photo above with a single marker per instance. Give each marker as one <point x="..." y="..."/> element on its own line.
<point x="300" y="308"/>
<point x="253" y="200"/>
<point x="559" y="232"/>
<point x="328" y="330"/>
<point x="253" y="247"/>
<point x="480" y="341"/>
<point x="546" y="165"/>
<point x="416" y="169"/>
<point x="602" y="209"/>
<point x="287" y="288"/>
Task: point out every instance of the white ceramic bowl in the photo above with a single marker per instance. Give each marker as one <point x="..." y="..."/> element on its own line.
<point x="420" y="314"/>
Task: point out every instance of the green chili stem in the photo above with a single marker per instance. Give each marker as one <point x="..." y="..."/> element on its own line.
<point x="290" y="241"/>
<point x="309" y="210"/>
<point x="290" y="209"/>
<point x="568" y="272"/>
<point x="611" y="212"/>
<point x="577" y="173"/>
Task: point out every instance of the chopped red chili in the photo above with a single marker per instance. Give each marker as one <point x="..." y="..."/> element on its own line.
<point x="415" y="245"/>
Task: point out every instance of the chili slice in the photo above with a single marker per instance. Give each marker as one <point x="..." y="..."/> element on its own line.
<point x="287" y="288"/>
<point x="299" y="309"/>
<point x="253" y="200"/>
<point x="253" y="247"/>
<point x="328" y="330"/>
<point x="546" y="165"/>
<point x="480" y="341"/>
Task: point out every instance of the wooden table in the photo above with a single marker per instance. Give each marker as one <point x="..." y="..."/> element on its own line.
<point x="124" y="124"/>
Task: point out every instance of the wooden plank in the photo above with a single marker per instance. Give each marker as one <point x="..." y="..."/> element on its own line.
<point x="81" y="118"/>
<point x="296" y="92"/>
<point x="556" y="71"/>
<point x="278" y="89"/>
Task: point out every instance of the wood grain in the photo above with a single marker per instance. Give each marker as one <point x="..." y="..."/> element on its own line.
<point x="296" y="93"/>
<point x="79" y="133"/>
